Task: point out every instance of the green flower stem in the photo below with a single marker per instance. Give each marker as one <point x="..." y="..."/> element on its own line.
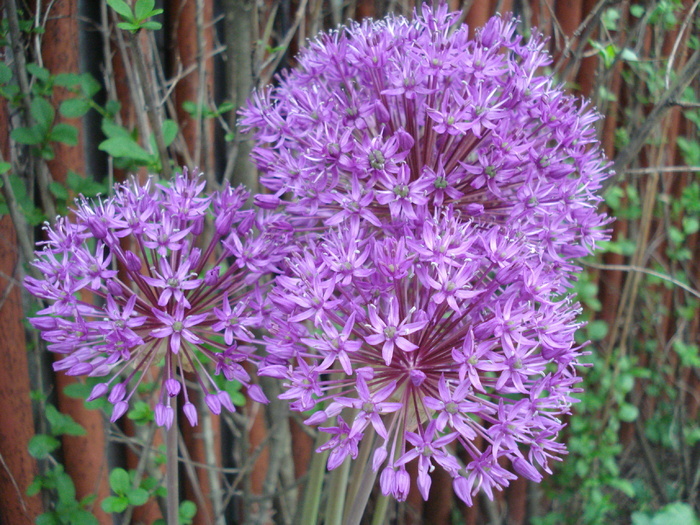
<point x="171" y="472"/>
<point x="312" y="492"/>
<point x="362" y="480"/>
<point x="380" y="510"/>
<point x="335" y="504"/>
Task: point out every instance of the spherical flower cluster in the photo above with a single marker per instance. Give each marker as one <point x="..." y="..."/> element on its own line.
<point x="441" y="189"/>
<point x="132" y="282"/>
<point x="388" y="120"/>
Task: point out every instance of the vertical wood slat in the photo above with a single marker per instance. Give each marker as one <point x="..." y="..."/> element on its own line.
<point x="17" y="467"/>
<point x="85" y="460"/>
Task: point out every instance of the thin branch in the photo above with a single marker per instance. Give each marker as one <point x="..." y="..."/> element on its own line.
<point x="629" y="268"/>
<point x="640" y="136"/>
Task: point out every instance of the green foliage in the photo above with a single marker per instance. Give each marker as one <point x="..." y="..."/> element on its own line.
<point x="137" y="19"/>
<point x="186" y="513"/>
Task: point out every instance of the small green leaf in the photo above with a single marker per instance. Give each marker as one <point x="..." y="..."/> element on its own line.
<point x="5" y="73"/>
<point x="138" y="497"/>
<point x="115" y="504"/>
<point x="5" y="167"/>
<point x="41" y="445"/>
<point x="30" y="136"/>
<point x="43" y="112"/>
<point x="122" y="8"/>
<point x="125" y="147"/>
<point x="34" y="487"/>
<point x="187" y="510"/>
<point x="597" y="330"/>
<point x="119" y="481"/>
<point x="169" y="132"/>
<point x="637" y="11"/>
<point x="628" y="412"/>
<point x="48" y="518"/>
<point x="64" y="133"/>
<point x="74" y="107"/>
<point x="143" y="9"/>
<point x="39" y="72"/>
<point x="62" y="423"/>
<point x="142" y="413"/>
<point x="129" y="26"/>
<point x="151" y="25"/>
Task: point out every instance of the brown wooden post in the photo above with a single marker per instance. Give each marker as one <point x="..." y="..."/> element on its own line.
<point x="85" y="459"/>
<point x="17" y="467"/>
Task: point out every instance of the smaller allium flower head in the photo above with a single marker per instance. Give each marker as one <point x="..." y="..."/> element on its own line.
<point x="453" y="346"/>
<point x="387" y="120"/>
<point x="132" y="282"/>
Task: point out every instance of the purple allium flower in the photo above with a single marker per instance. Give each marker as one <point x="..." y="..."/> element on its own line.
<point x="476" y="345"/>
<point x="388" y="120"/>
<point x="441" y="188"/>
<point x="160" y="291"/>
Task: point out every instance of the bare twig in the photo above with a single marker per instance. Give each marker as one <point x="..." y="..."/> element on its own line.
<point x="639" y="136"/>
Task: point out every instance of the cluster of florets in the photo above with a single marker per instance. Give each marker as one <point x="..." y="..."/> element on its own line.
<point x="442" y="189"/>
<point x="138" y="279"/>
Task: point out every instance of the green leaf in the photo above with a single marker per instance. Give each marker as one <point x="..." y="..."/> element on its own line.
<point x="141" y="414"/>
<point x="34" y="487"/>
<point x="125" y="147"/>
<point x="143" y="8"/>
<point x="637" y="11"/>
<point x="64" y="133"/>
<point x="129" y="26"/>
<point x="86" y="186"/>
<point x="5" y="73"/>
<point x="48" y="518"/>
<point x="5" y="167"/>
<point x="169" y="131"/>
<point x="119" y="481"/>
<point x="597" y="330"/>
<point x="187" y="510"/>
<point x="74" y="107"/>
<point x="30" y="136"/>
<point x="628" y="412"/>
<point x="122" y="8"/>
<point x="41" y="445"/>
<point x="62" y="423"/>
<point x="111" y="129"/>
<point x="112" y="107"/>
<point x="43" y="112"/>
<point x="138" y="497"/>
<point x="65" y="488"/>
<point x="39" y="72"/>
<point x="151" y="25"/>
<point x="115" y="504"/>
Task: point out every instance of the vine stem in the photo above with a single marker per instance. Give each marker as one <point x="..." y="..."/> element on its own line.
<point x="171" y="472"/>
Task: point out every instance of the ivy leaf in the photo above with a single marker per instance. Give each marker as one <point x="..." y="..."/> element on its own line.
<point x="41" y="445"/>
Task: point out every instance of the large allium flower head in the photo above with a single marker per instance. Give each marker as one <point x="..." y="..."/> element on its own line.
<point x="132" y="281"/>
<point x="388" y="120"/>
<point x="455" y="335"/>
